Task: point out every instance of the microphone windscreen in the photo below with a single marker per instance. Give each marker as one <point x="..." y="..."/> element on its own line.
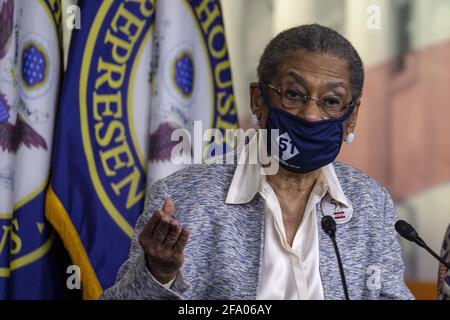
<point x="328" y="225"/>
<point x="406" y="230"/>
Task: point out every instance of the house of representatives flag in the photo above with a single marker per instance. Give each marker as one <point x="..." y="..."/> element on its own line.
<point x="191" y="83"/>
<point x="30" y="73"/>
<point x="137" y="70"/>
<point x="98" y="169"/>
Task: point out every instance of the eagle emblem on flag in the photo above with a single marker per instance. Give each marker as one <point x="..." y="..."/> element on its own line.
<point x="14" y="136"/>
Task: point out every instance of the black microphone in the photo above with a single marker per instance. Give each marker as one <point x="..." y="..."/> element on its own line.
<point x="408" y="232"/>
<point x="329" y="226"/>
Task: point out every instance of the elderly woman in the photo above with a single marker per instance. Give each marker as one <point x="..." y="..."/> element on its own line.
<point x="216" y="231"/>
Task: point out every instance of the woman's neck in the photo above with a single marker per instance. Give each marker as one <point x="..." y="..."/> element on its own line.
<point x="293" y="185"/>
<point x="292" y="191"/>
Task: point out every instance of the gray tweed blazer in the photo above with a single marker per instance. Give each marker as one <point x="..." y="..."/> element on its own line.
<point x="223" y="257"/>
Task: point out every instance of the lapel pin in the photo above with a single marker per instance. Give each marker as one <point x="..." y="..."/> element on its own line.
<point x="331" y="207"/>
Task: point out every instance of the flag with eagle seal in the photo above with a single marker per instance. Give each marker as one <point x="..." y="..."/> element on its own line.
<point x="191" y="86"/>
<point x="30" y="72"/>
<point x="136" y="71"/>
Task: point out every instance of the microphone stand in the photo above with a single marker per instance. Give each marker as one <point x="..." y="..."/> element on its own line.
<point x="329" y="226"/>
<point x="422" y="244"/>
<point x="408" y="232"/>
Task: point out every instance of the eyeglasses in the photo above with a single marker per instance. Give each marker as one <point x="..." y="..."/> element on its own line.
<point x="329" y="106"/>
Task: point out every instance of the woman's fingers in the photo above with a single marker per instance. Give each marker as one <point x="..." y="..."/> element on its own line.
<point x="147" y="233"/>
<point x="163" y="241"/>
<point x="172" y="235"/>
<point x="161" y="230"/>
<point x="178" y="247"/>
<point x="168" y="207"/>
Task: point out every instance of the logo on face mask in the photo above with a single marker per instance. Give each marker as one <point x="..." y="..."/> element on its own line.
<point x="287" y="147"/>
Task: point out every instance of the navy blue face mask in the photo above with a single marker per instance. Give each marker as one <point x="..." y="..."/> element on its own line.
<point x="303" y="146"/>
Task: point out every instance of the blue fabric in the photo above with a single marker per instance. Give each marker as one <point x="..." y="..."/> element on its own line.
<point x="42" y="278"/>
<point x="304" y="145"/>
<point x="97" y="173"/>
<point x="105" y="241"/>
<point x="33" y="262"/>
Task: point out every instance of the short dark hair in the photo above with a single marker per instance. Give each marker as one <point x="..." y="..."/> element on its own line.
<point x="312" y="38"/>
